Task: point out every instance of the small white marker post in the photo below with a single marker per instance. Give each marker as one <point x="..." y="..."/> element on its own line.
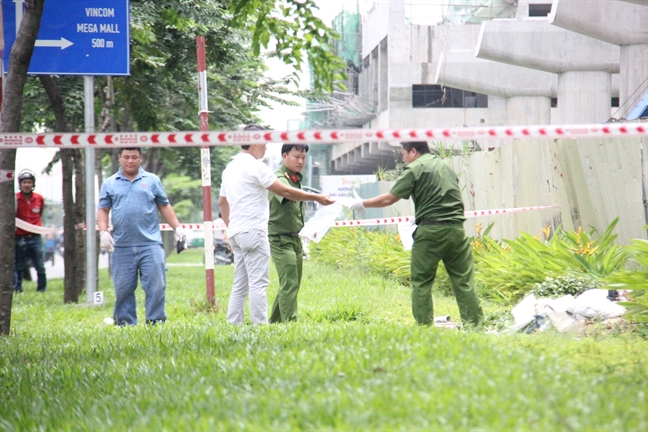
<point x="98" y="297"/>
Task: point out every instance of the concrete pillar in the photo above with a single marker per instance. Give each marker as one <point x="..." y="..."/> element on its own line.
<point x="634" y="75"/>
<point x="623" y="23"/>
<point x="583" y="97"/>
<point x="528" y="110"/>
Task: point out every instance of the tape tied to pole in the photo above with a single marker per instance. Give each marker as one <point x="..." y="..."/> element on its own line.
<point x="6" y="176"/>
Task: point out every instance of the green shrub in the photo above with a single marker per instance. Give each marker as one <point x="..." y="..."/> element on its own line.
<point x="510" y="269"/>
<point x="498" y="321"/>
<point x="562" y="263"/>
<point x="563" y="285"/>
<point x="634" y="277"/>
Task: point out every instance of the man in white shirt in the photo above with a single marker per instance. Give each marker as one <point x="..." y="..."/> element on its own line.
<point x="245" y="209"/>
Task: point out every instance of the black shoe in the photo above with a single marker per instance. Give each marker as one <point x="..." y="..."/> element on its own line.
<point x="40" y="291"/>
<point x="18" y="290"/>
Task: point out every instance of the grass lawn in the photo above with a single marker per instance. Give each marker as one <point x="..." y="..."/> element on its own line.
<point x="354" y="361"/>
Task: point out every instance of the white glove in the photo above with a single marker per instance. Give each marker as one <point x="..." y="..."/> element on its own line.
<point x="179" y="233"/>
<point x="358" y="205"/>
<point x="181" y="239"/>
<point x="106" y="241"/>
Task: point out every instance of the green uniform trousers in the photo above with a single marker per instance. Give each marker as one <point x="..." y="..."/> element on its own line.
<point x="450" y="244"/>
<point x="287" y="254"/>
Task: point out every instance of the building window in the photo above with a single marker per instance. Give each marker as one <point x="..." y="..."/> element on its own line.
<point x="436" y="96"/>
<point x="554" y="102"/>
<point x="615" y="102"/>
<point x="539" y="10"/>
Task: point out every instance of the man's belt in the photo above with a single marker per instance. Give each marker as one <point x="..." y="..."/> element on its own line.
<point x="27" y="235"/>
<point x="433" y="222"/>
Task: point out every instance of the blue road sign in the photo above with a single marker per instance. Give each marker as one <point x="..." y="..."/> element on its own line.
<point x="77" y="37"/>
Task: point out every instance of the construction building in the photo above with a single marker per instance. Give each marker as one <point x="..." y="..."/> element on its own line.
<point x="504" y="62"/>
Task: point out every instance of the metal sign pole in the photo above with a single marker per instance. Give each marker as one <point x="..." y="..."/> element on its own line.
<point x="205" y="165"/>
<point x="91" y="233"/>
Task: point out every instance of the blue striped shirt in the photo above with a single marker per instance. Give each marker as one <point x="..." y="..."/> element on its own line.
<point x="134" y="204"/>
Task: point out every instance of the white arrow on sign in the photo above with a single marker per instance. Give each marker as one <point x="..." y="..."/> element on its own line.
<point x="62" y="43"/>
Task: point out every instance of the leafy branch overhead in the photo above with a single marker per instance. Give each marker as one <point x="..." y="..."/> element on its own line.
<point x="297" y="33"/>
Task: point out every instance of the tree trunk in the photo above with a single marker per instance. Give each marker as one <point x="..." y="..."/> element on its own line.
<point x="19" y="60"/>
<point x="56" y="101"/>
<point x="79" y="214"/>
<point x="73" y="245"/>
<point x="72" y="266"/>
<point x="7" y="241"/>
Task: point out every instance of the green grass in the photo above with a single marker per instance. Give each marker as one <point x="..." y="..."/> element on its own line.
<point x="354" y="361"/>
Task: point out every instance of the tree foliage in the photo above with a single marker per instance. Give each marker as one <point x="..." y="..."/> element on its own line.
<point x="297" y="32"/>
<point x="161" y="93"/>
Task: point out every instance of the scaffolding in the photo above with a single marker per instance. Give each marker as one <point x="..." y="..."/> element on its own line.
<point x="344" y="107"/>
<point x="478" y="11"/>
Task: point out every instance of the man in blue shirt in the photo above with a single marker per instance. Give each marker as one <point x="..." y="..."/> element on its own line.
<point x="135" y="196"/>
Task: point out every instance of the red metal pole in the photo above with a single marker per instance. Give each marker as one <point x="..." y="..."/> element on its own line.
<point x="205" y="164"/>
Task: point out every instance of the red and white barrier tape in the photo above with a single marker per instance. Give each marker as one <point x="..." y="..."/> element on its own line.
<point x="385" y="221"/>
<point x="479" y="213"/>
<point x="358" y="222"/>
<point x="6" y="176"/>
<point x="194" y="227"/>
<point x="225" y="138"/>
<point x="468" y="214"/>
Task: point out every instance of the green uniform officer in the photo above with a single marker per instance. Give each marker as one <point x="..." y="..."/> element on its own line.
<point x="440" y="235"/>
<point x="286" y="220"/>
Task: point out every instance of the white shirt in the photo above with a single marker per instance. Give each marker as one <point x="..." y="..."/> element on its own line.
<point x="245" y="183"/>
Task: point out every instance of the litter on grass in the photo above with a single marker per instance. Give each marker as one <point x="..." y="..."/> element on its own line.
<point x="566" y="314"/>
<point x="444" y="321"/>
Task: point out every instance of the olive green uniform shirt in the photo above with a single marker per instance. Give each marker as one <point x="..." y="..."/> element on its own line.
<point x="434" y="188"/>
<point x="286" y="216"/>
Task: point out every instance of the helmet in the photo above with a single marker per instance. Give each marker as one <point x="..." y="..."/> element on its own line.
<point x="26" y="174"/>
<point x="254" y="127"/>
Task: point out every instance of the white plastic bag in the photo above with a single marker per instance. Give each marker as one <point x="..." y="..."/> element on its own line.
<point x="523" y="312"/>
<point x="317" y="226"/>
<point x="594" y="303"/>
<point x="405" y="232"/>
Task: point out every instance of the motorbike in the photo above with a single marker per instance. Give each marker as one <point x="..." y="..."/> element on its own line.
<point x="222" y="254"/>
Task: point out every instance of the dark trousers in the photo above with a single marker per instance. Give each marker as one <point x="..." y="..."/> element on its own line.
<point x="450" y="244"/>
<point x="29" y="248"/>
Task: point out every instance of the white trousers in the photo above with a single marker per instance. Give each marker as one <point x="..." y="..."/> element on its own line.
<point x="251" y="275"/>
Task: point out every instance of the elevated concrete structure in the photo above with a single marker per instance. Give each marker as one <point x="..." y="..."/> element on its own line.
<point x="463" y="70"/>
<point x="527" y="92"/>
<point x="362" y="158"/>
<point x="396" y="56"/>
<point x="617" y="22"/>
<point x="536" y="44"/>
<point x="580" y="60"/>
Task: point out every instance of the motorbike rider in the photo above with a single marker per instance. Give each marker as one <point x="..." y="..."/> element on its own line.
<point x="29" y="246"/>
